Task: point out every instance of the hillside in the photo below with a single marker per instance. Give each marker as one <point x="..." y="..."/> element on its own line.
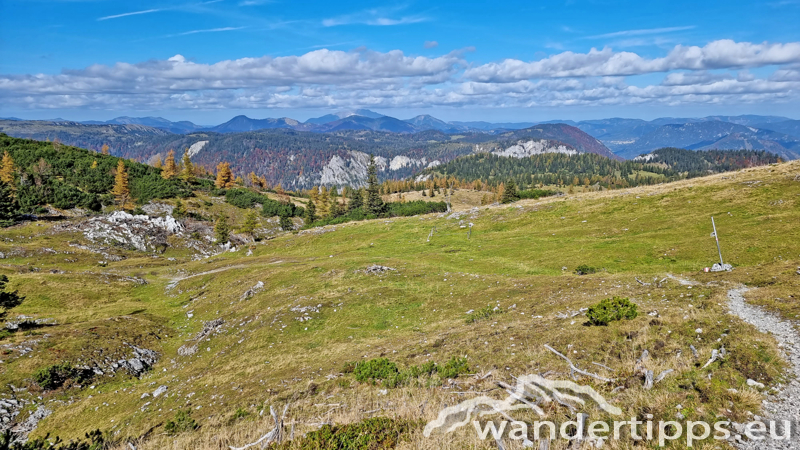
<point x="562" y="168"/>
<point x="300" y="159"/>
<point x="275" y="323"/>
<point x="713" y="135"/>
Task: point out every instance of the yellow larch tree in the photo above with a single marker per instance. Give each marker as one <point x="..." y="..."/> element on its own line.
<point x="7" y="169"/>
<point x="224" y="176"/>
<point x="104" y="149"/>
<point x="170" y="169"/>
<point x="121" y="190"/>
<point x="187" y="172"/>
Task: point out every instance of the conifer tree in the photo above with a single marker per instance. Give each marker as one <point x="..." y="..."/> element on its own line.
<point x="170" y="169"/>
<point x="8" y="205"/>
<point x="250" y="223"/>
<point x="7" y="169"/>
<point x="157" y="163"/>
<point x="179" y="210"/>
<point x="104" y="149"/>
<point x="510" y="192"/>
<point x="121" y="190"/>
<point x="221" y="230"/>
<point x="8" y="299"/>
<point x="311" y="212"/>
<point x="322" y="204"/>
<point x="94" y="164"/>
<point x="224" y="176"/>
<point x="187" y="172"/>
<point x="286" y="223"/>
<point x="357" y="201"/>
<point x="374" y="202"/>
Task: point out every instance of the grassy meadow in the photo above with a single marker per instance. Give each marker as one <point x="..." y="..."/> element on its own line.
<point x="289" y="342"/>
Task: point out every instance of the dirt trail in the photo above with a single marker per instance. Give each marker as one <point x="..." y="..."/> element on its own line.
<point x="174" y="282"/>
<point x="786" y="404"/>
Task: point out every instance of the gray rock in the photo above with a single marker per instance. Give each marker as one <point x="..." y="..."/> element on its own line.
<point x="160" y="390"/>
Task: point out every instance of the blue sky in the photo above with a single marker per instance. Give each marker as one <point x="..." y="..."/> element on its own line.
<point x="207" y="61"/>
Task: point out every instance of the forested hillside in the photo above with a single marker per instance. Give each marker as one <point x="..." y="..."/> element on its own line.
<point x="43" y="173"/>
<point x="590" y="169"/>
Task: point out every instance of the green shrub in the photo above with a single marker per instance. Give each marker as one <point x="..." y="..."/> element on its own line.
<point x="535" y="193"/>
<point x="484" y="313"/>
<point x="612" y="309"/>
<point x="375" y="369"/>
<point x="378" y="433"/>
<point x="453" y="368"/>
<point x="182" y="423"/>
<point x="239" y="414"/>
<point x="54" y="376"/>
<point x="583" y="269"/>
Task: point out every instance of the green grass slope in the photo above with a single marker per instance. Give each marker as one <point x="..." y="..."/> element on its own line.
<point x="290" y="340"/>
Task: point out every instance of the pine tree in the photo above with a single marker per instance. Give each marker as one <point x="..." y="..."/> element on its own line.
<point x="224" y="176"/>
<point x="221" y="230"/>
<point x="250" y="223"/>
<point x="157" y="163"/>
<point x="8" y="205"/>
<point x="187" y="173"/>
<point x="104" y="149"/>
<point x="510" y="192"/>
<point x="311" y="212"/>
<point x="374" y="202"/>
<point x="121" y="190"/>
<point x="7" y="169"/>
<point x="170" y="169"/>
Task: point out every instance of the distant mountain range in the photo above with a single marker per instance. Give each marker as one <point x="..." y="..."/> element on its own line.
<point x="626" y="138"/>
<point x="276" y="149"/>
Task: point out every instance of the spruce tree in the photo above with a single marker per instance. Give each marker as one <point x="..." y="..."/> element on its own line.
<point x="8" y="300"/>
<point x="510" y="192"/>
<point x="357" y="202"/>
<point x="221" y="230"/>
<point x="250" y="223"/>
<point x="286" y="223"/>
<point x="8" y="205"/>
<point x="311" y="212"/>
<point x="374" y="202"/>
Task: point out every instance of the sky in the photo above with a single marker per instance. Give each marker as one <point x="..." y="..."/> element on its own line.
<point x="207" y="61"/>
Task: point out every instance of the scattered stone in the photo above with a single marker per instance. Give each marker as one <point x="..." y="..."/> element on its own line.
<point x="160" y="390"/>
<point x="187" y="350"/>
<point x="376" y="269"/>
<point x="755" y="384"/>
<point x="252" y="291"/>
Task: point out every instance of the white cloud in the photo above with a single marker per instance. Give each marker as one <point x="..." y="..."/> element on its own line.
<point x="722" y="54"/>
<point x="430" y="44"/>
<point x="374" y="17"/>
<point x="640" y="32"/>
<point x="716" y="73"/>
<point x="135" y="13"/>
<point x="209" y="30"/>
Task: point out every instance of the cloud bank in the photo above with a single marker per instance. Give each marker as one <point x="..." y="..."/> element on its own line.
<point x="717" y="73"/>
